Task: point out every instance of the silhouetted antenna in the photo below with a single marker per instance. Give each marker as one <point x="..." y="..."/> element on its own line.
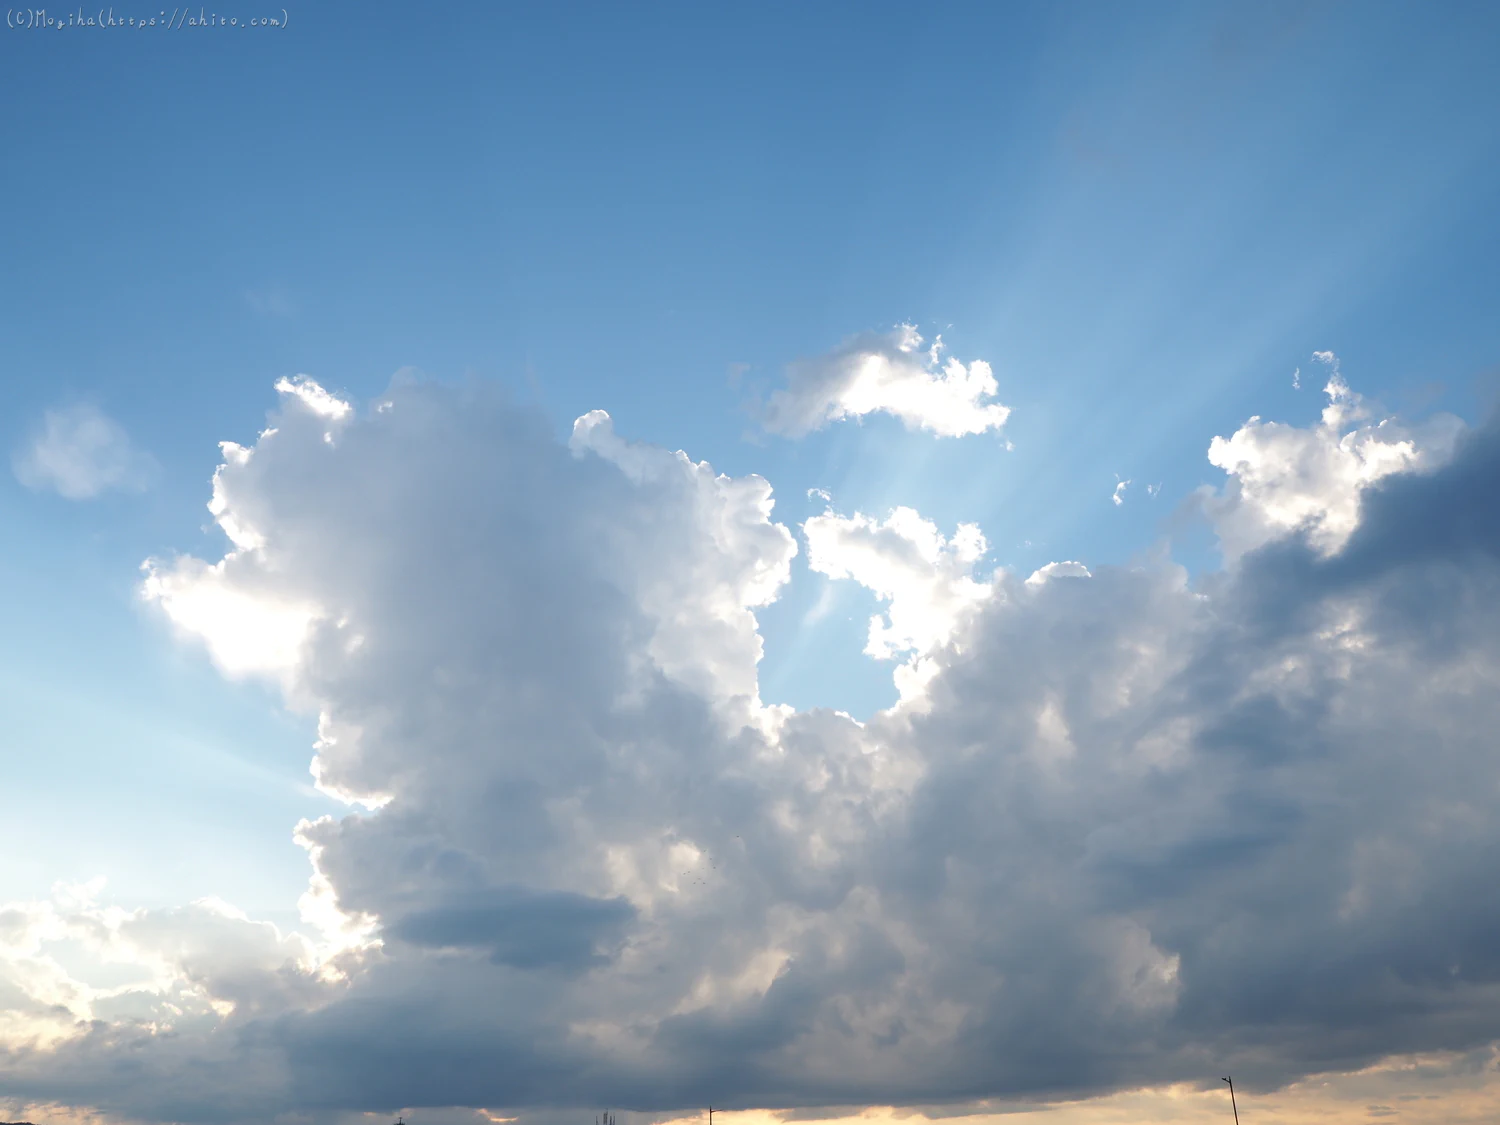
<point x="1232" y="1104"/>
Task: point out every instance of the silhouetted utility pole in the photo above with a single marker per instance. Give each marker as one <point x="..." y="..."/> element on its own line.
<point x="711" y="1116"/>
<point x="1232" y="1104"/>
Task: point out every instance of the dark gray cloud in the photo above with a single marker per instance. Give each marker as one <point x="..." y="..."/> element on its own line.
<point x="520" y="927"/>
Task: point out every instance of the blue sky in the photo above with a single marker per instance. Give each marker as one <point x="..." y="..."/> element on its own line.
<point x="1145" y="218"/>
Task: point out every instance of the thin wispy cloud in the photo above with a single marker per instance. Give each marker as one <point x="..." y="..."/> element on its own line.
<point x="271" y="301"/>
<point x="80" y="452"/>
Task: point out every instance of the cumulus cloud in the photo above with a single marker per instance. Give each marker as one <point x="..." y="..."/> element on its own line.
<point x="1120" y="831"/>
<point x="729" y="559"/>
<point x="80" y="452"/>
<point x="924" y="578"/>
<point x="1284" y="478"/>
<point x="1058" y="570"/>
<point x="178" y="970"/>
<point x="889" y="374"/>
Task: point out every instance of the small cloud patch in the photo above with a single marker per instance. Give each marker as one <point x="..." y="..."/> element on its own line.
<point x="80" y="452"/>
<point x="891" y="374"/>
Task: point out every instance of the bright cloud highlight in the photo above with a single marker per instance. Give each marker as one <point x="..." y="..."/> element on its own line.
<point x="1285" y="479"/>
<point x="888" y="374"/>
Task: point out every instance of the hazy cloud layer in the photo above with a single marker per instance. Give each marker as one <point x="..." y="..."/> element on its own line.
<point x="80" y="452"/>
<point x="1119" y="831"/>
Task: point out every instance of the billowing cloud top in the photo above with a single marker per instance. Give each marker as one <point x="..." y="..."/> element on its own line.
<point x="1118" y="831"/>
<point x="1287" y="479"/>
<point x="888" y="374"/>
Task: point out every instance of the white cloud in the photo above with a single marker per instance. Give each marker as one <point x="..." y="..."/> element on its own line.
<point x="1118" y="496"/>
<point x="728" y="558"/>
<point x="80" y="452"/>
<point x="247" y="632"/>
<point x="234" y="605"/>
<point x="1286" y="479"/>
<point x="888" y="374"/>
<point x="1118" y="825"/>
<point x="314" y="397"/>
<point x="68" y="961"/>
<point x="925" y="579"/>
<point x="1058" y="570"/>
